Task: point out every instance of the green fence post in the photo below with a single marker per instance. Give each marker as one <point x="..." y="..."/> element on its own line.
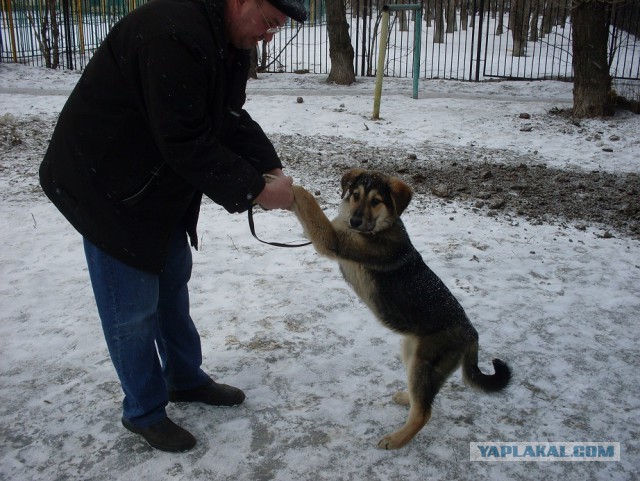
<point x="384" y="33"/>
<point x="417" y="35"/>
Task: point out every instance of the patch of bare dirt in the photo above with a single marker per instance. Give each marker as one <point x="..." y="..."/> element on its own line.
<point x="487" y="182"/>
<point x="502" y="182"/>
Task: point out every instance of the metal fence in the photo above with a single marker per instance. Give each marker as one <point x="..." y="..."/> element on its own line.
<point x="461" y="39"/>
<point x="58" y="33"/>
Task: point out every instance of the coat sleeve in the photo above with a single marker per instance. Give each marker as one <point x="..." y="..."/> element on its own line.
<point x="253" y="145"/>
<point x="196" y="134"/>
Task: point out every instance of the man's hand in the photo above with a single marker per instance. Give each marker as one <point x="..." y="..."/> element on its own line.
<point x="277" y="193"/>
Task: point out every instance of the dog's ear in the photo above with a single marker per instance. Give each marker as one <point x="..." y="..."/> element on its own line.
<point x="401" y="194"/>
<point x="349" y="178"/>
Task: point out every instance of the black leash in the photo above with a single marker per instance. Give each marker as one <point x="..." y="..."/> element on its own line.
<point x="252" y="228"/>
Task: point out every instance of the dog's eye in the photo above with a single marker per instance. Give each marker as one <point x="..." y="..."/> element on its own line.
<point x="375" y="202"/>
<point x="356" y="196"/>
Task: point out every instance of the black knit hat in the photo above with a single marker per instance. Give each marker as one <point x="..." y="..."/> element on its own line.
<point x="291" y="8"/>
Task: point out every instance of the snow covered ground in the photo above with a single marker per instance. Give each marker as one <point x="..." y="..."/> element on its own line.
<point x="560" y="305"/>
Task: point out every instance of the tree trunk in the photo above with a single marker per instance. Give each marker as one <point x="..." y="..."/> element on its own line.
<point x="533" y="22"/>
<point x="438" y="31"/>
<point x="451" y="17"/>
<point x="253" y="66"/>
<point x="500" y="19"/>
<point x="464" y="14"/>
<point x="592" y="81"/>
<point x="263" y="56"/>
<point x="340" y="48"/>
<point x="403" y="20"/>
<point x="547" y="18"/>
<point x="519" y="25"/>
<point x="49" y="45"/>
<point x="428" y="11"/>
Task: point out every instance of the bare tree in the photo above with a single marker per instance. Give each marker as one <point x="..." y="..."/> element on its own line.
<point x="451" y="17"/>
<point x="548" y="15"/>
<point x="259" y="58"/>
<point x="340" y="47"/>
<point x="519" y="26"/>
<point x="464" y="14"/>
<point x="438" y="21"/>
<point x="428" y="9"/>
<point x="592" y="95"/>
<point x="49" y="46"/>
<point x="403" y="17"/>
<point x="533" y="24"/>
<point x="253" y="65"/>
<point x="500" y="19"/>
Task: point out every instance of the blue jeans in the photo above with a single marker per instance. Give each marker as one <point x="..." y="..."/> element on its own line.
<point x="153" y="343"/>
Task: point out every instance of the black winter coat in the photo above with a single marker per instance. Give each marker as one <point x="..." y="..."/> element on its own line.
<point x="155" y="121"/>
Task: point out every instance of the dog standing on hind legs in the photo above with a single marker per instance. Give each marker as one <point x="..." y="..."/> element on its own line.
<point x="378" y="260"/>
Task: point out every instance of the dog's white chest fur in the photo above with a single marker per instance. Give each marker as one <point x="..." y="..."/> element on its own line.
<point x="360" y="279"/>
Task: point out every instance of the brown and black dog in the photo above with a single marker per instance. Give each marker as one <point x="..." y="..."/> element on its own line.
<point x="378" y="260"/>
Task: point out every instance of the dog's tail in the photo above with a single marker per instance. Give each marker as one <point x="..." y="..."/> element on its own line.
<point x="485" y="382"/>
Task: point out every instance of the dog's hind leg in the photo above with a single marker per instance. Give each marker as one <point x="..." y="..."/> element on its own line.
<point x="409" y="344"/>
<point x="419" y="411"/>
<point x="418" y="418"/>
<point x="402" y="398"/>
<point x="429" y="364"/>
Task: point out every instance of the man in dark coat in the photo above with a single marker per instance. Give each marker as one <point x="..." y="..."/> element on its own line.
<point x="155" y="122"/>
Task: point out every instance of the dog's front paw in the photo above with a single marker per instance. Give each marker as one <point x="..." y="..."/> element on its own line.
<point x="299" y="194"/>
<point x="298" y="191"/>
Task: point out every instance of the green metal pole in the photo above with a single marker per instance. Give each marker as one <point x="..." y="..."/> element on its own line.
<point x="417" y="35"/>
<point x="384" y="33"/>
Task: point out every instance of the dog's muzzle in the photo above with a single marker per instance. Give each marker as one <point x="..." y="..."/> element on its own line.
<point x="358" y="223"/>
